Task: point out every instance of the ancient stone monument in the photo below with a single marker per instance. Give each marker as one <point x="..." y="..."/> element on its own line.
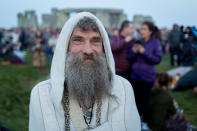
<point x="28" y="19"/>
<point x="109" y="17"/>
<point x="57" y="18"/>
<point x="139" y="19"/>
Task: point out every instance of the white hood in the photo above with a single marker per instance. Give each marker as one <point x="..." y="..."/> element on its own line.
<point x="58" y="62"/>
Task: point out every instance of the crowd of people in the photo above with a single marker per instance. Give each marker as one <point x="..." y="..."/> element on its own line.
<point x="136" y="52"/>
<point x="15" y="42"/>
<point x="182" y="43"/>
<point x="135" y="60"/>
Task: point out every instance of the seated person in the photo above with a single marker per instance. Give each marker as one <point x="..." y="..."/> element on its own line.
<point x="161" y="103"/>
<point x="39" y="57"/>
<point x="9" y="56"/>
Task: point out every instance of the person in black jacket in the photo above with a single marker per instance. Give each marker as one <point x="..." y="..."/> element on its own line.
<point x="188" y="52"/>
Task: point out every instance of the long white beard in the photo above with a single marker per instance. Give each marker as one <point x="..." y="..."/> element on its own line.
<point x="87" y="77"/>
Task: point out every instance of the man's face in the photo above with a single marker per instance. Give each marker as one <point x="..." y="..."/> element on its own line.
<point x="176" y="28"/>
<point x="85" y="42"/>
<point x="129" y="29"/>
<point x="86" y="63"/>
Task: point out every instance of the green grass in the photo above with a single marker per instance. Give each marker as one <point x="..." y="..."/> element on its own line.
<point x="16" y="83"/>
<point x="165" y="64"/>
<point x="188" y="101"/>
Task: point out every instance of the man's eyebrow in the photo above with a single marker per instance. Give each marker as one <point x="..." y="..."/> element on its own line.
<point x="97" y="38"/>
<point x="76" y="36"/>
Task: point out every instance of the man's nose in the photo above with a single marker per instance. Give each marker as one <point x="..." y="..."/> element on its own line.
<point x="87" y="48"/>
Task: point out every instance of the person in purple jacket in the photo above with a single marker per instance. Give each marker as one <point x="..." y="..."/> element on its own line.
<point x="120" y="45"/>
<point x="144" y="56"/>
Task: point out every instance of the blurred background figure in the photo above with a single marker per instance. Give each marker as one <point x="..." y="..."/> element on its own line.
<point x="174" y="39"/>
<point x="39" y="57"/>
<point x="161" y="103"/>
<point x="164" y="40"/>
<point x="23" y="38"/>
<point x="137" y="34"/>
<point x="114" y="31"/>
<point x="187" y="55"/>
<point x="1" y="36"/>
<point x="165" y="113"/>
<point x="144" y="55"/>
<point x="16" y="42"/>
<point x="10" y="48"/>
<point x="120" y="44"/>
<point x="51" y="47"/>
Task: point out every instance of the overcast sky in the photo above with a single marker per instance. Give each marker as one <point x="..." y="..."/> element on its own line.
<point x="164" y="12"/>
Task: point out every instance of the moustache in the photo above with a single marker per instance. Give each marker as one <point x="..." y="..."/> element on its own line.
<point x="88" y="57"/>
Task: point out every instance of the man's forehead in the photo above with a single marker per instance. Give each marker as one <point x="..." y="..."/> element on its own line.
<point x="79" y="32"/>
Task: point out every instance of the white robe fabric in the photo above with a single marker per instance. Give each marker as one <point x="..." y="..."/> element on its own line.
<point x="46" y="110"/>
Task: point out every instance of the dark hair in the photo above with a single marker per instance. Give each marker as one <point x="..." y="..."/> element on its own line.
<point x="181" y="28"/>
<point x="155" y="31"/>
<point x="87" y="24"/>
<point x="163" y="79"/>
<point x="190" y="30"/>
<point x="123" y="25"/>
<point x="175" y="25"/>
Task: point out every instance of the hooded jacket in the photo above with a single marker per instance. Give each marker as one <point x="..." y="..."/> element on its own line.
<point x="46" y="110"/>
<point x="174" y="39"/>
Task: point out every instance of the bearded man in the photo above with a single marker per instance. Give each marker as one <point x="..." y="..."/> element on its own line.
<point x="83" y="92"/>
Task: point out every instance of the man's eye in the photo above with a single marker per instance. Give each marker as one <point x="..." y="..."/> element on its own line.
<point x="96" y="43"/>
<point x="77" y="40"/>
<point x="96" y="40"/>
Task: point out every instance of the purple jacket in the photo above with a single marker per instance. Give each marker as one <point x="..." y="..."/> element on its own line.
<point x="143" y="67"/>
<point x="120" y="50"/>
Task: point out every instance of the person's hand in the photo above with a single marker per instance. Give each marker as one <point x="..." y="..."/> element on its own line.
<point x="141" y="49"/>
<point x="135" y="49"/>
<point x="128" y="38"/>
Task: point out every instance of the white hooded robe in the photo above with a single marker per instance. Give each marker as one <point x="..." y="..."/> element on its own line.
<point x="46" y="110"/>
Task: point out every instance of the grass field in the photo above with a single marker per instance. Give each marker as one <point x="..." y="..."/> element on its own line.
<point x="16" y="83"/>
